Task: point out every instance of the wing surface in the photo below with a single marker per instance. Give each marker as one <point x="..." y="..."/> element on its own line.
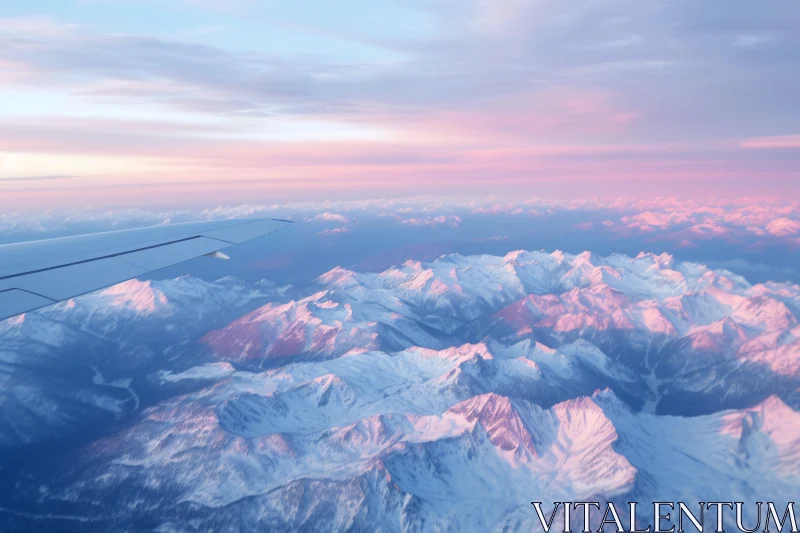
<point x="39" y="273"/>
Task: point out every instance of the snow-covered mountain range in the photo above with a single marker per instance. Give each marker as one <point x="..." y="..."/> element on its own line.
<point x="70" y="364"/>
<point x="441" y="396"/>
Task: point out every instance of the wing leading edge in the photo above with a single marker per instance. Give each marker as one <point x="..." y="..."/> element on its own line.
<point x="40" y="273"/>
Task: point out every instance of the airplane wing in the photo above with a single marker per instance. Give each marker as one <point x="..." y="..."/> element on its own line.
<point x="40" y="273"/>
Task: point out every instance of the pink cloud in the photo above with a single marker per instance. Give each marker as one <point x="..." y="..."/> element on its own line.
<point x="453" y="221"/>
<point x="13" y="73"/>
<point x="778" y="141"/>
<point x="187" y="162"/>
<point x="689" y="219"/>
<point x="334" y="231"/>
<point x="709" y="227"/>
<point x="650" y="220"/>
<point x="331" y="217"/>
<point x="781" y="227"/>
<point x="509" y="208"/>
<point x="549" y="114"/>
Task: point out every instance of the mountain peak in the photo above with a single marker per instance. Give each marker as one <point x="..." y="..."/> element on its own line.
<point x="500" y="421"/>
<point x="723" y="334"/>
<point x="773" y="418"/>
<point x="662" y="261"/>
<point x="328" y="389"/>
<point x="457" y="353"/>
<point x="512" y="257"/>
<point x="337" y="276"/>
<point x="136" y="295"/>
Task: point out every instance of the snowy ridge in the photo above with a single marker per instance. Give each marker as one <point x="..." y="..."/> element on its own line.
<point x="49" y="357"/>
<point x="449" y="395"/>
<point x="675" y="310"/>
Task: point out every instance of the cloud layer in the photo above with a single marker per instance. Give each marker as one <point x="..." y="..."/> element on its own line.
<point x="188" y="102"/>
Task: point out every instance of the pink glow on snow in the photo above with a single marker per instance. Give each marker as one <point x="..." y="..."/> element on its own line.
<point x="139" y="296"/>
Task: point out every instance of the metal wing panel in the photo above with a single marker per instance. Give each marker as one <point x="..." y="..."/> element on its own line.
<point x="174" y="253"/>
<point x="247" y="231"/>
<point x="40" y="273"/>
<point x="66" y="282"/>
<point x="19" y="258"/>
<point x="16" y="301"/>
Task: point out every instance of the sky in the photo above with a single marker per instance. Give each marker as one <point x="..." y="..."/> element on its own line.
<point x="201" y="102"/>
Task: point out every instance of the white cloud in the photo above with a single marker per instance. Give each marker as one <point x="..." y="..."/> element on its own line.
<point x="334" y="231"/>
<point x="686" y="219"/>
<point x="331" y="217"/>
<point x="781" y="227"/>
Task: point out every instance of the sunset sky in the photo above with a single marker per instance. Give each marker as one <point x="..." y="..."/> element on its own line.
<point x="122" y="102"/>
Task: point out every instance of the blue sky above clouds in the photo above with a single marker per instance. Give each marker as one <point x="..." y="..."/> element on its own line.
<point x="229" y="101"/>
